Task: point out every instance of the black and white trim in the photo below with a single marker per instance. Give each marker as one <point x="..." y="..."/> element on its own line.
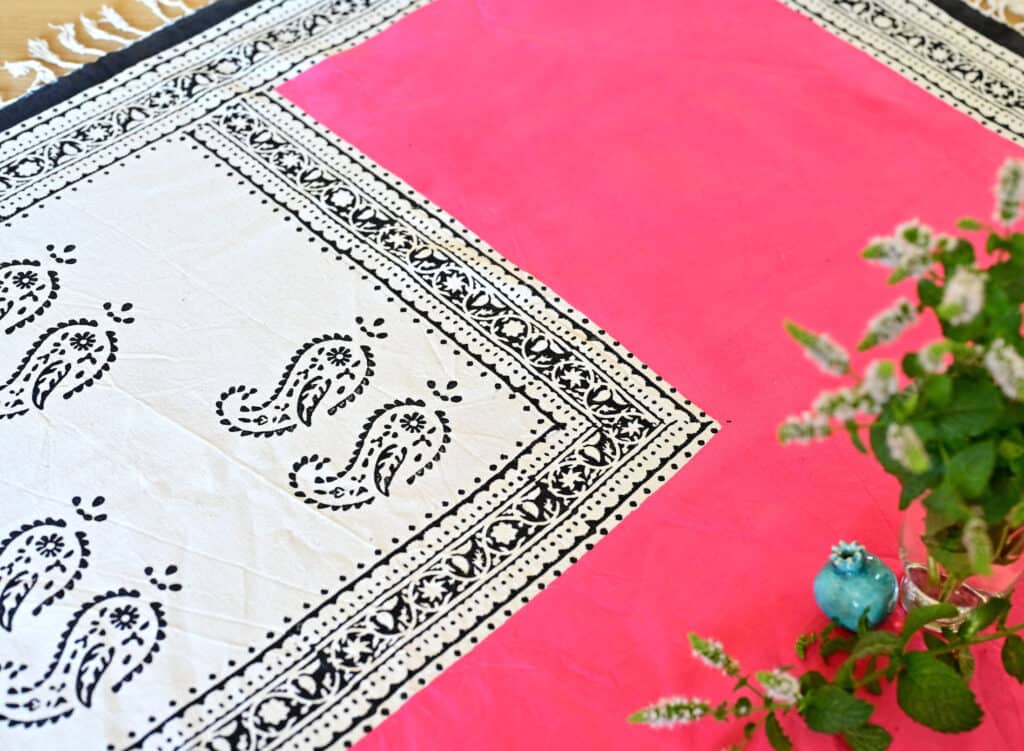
<point x="605" y="433"/>
<point x="919" y="39"/>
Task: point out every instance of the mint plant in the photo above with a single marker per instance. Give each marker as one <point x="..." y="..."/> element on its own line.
<point x="931" y="672"/>
<point x="952" y="432"/>
<point x="947" y="421"/>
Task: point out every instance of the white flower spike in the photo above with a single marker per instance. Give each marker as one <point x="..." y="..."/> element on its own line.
<point x="932" y="357"/>
<point x="1006" y="367"/>
<point x="1009" y="191"/>
<point x="908" y="252"/>
<point x="889" y="324"/>
<point x="840" y="404"/>
<point x="963" y="296"/>
<point x="671" y="711"/>
<point x="779" y="686"/>
<point x="820" y="349"/>
<point x="712" y="654"/>
<point x="878" y="386"/>
<point x="906" y="448"/>
<point x="804" y="428"/>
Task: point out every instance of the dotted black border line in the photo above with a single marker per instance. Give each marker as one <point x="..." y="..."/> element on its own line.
<point x="630" y="368"/>
<point x="543" y="327"/>
<point x="915" y="75"/>
<point x="197" y="102"/>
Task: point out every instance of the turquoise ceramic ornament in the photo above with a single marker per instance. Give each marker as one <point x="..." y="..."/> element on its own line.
<point x="852" y="582"/>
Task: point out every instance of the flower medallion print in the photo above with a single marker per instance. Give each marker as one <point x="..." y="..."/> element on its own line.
<point x="401" y="440"/>
<point x="331" y="368"/>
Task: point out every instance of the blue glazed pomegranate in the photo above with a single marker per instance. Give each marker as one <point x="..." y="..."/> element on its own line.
<point x="852" y="582"/>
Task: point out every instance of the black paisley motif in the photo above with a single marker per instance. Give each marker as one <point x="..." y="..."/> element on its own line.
<point x="107" y="642"/>
<point x="400" y="441"/>
<point x="331" y="370"/>
<point x="39" y="564"/>
<point x="26" y="291"/>
<point x="68" y="358"/>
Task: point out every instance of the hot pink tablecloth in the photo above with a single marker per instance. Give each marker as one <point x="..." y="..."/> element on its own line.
<point x="687" y="174"/>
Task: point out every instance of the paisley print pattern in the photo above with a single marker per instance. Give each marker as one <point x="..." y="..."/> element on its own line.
<point x="107" y="642"/>
<point x="26" y="290"/>
<point x="331" y="370"/>
<point x="39" y="563"/>
<point x="68" y="358"/>
<point x="399" y="442"/>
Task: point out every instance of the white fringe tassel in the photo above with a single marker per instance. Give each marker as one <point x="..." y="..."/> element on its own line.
<point x="67" y="35"/>
<point x="40" y="51"/>
<point x="116" y="20"/>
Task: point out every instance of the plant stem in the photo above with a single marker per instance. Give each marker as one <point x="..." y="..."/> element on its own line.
<point x="1002" y="543"/>
<point x="951" y="585"/>
<point x="1001" y="634"/>
<point x="934" y="573"/>
<point x="870" y="677"/>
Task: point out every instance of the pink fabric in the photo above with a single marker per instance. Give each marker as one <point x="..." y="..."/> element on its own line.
<point x="687" y="174"/>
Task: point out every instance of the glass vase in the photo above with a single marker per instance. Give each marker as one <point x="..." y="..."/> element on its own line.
<point x="926" y="582"/>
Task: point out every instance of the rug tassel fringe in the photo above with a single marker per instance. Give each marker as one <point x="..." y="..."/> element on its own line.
<point x="41" y="54"/>
<point x="40" y="50"/>
<point x="67" y="35"/>
<point x="115" y="19"/>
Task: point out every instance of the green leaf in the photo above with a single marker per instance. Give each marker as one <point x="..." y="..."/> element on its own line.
<point x="960" y="254"/>
<point x="829" y="709"/>
<point x="978" y="544"/>
<point x="776" y="735"/>
<point x="911" y="365"/>
<point x="742" y="707"/>
<point x="969" y="224"/>
<point x="964" y="663"/>
<point x="872" y="686"/>
<point x="844" y="676"/>
<point x="975" y="407"/>
<point x="914" y="485"/>
<point x="876" y="435"/>
<point x="803" y="642"/>
<point x="946" y="501"/>
<point x="1015" y="517"/>
<point x="933" y="642"/>
<point x="1013" y="657"/>
<point x="1005" y="492"/>
<point x="867" y="738"/>
<point x="749" y="729"/>
<point x="932" y="694"/>
<point x="854" y="431"/>
<point x="937" y="390"/>
<point x="810" y="681"/>
<point x="970" y="469"/>
<point x="836" y="644"/>
<point x="983" y="616"/>
<point x="922" y="616"/>
<point x="929" y="293"/>
<point x="1010" y="448"/>
<point x="995" y="242"/>
<point x="876" y="643"/>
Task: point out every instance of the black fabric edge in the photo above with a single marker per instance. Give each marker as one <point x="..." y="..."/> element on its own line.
<point x="987" y="26"/>
<point x="111" y="64"/>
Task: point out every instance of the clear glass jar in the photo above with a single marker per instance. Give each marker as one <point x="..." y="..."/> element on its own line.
<point x="926" y="582"/>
